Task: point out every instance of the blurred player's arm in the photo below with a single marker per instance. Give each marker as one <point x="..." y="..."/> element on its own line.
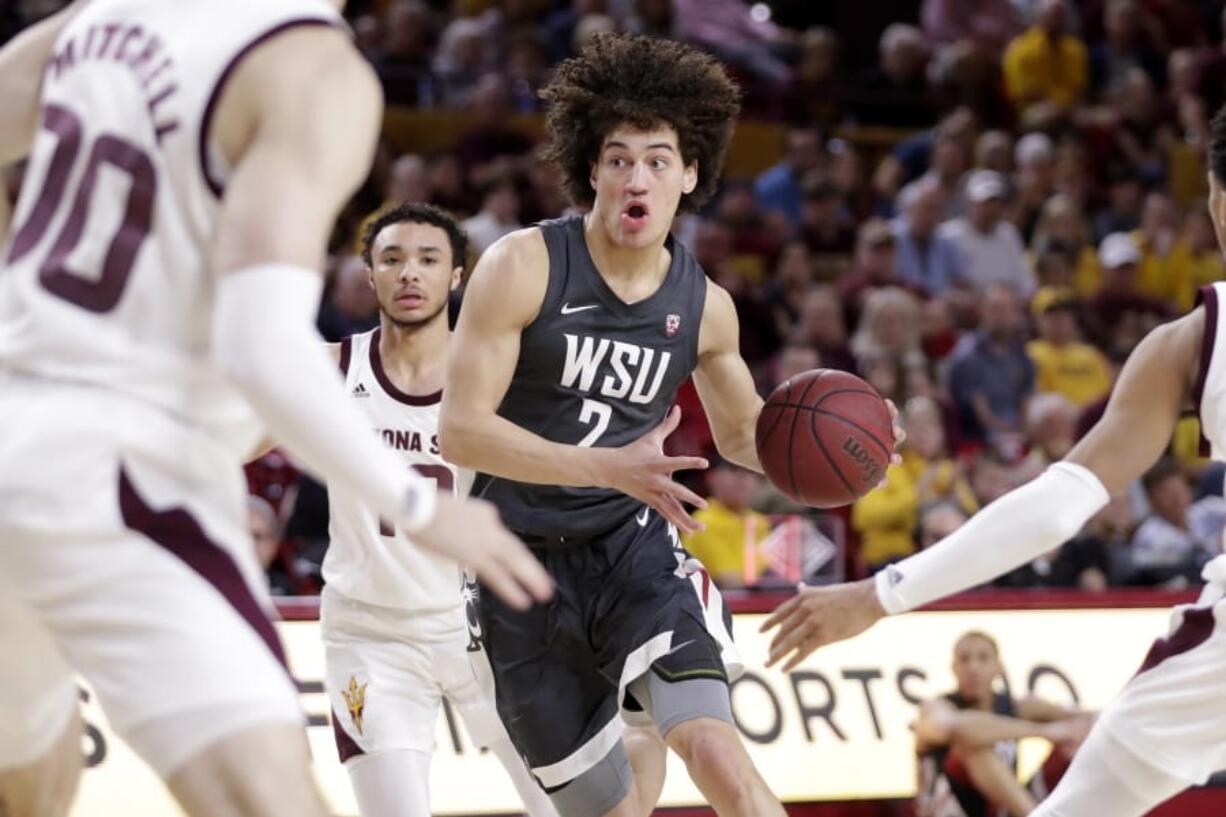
<point x="268" y="443"/>
<point x="724" y="383"/>
<point x="298" y="122"/>
<point x="22" y="63"/>
<point x="940" y="723"/>
<point x="503" y="296"/>
<point x="1034" y="519"/>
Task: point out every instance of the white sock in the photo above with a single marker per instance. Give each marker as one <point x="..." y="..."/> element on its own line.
<point x="536" y="802"/>
<point x="393" y="783"/>
<point x="1108" y="779"/>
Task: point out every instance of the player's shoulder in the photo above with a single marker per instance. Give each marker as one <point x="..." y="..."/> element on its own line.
<point x="523" y="249"/>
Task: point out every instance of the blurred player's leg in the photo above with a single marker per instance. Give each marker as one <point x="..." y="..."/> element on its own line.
<point x="536" y="802"/>
<point x="994" y="779"/>
<point x="222" y="781"/>
<point x="392" y="783"/>
<point x="466" y="681"/>
<point x="40" y="730"/>
<point x="1107" y="778"/>
<point x="122" y="532"/>
<point x="649" y="758"/>
<point x="694" y="716"/>
<point x="45" y="787"/>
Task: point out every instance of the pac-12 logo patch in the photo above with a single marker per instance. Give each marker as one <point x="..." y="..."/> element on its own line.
<point x="355" y="700"/>
<point x="671" y="324"/>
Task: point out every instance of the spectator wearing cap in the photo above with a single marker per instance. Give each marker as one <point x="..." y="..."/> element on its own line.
<point x="874" y="268"/>
<point x="779" y="188"/>
<point x="992" y="377"/>
<point x="1046" y="69"/>
<point x="1035" y="159"/>
<point x="1063" y="362"/>
<point x="989" y="248"/>
<point x="926" y="259"/>
<point x="1122" y="315"/>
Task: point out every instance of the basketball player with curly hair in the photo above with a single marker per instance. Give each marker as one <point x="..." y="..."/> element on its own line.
<point x="574" y="337"/>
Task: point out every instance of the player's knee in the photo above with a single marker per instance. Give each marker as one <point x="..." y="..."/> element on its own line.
<point x="221" y="779"/>
<point x="713" y="752"/>
<point x="45" y="788"/>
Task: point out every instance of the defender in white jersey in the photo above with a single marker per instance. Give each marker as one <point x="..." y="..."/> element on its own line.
<point x="1167" y="729"/>
<point x="157" y="302"/>
<point x="393" y="618"/>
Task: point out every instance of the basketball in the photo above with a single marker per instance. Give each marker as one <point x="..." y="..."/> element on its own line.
<point x="825" y="438"/>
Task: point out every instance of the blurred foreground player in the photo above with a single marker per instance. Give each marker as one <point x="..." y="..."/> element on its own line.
<point x="1167" y="729"/>
<point x="967" y="740"/>
<point x="393" y="618"/>
<point x="574" y="337"/>
<point x="157" y="304"/>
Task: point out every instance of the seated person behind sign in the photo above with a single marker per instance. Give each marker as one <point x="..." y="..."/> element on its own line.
<point x="729" y="524"/>
<point x="967" y="741"/>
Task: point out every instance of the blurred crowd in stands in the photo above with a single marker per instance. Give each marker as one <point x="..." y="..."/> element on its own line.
<point x="979" y="206"/>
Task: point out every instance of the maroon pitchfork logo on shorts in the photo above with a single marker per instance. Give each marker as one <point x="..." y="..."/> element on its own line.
<point x="671" y="324"/>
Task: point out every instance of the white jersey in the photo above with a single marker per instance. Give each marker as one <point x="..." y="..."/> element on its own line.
<point x="1210" y="394"/>
<point x="367" y="560"/>
<point x="107" y="278"/>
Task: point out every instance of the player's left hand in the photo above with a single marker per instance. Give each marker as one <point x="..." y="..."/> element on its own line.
<point x="817" y="616"/>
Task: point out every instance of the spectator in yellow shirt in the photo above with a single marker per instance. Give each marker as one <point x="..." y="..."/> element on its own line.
<point x="1164" y="269"/>
<point x="1198" y="258"/>
<point x="1062" y="225"/>
<point x="886" y="517"/>
<point x="1046" y="70"/>
<point x="729" y="521"/>
<point x="1063" y="363"/>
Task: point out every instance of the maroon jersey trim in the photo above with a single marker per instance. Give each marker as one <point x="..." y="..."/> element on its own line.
<point x="206" y="122"/>
<point x="346" y="351"/>
<point x="376" y="365"/>
<point x="1208" y="297"/>
<point x="178" y="532"/>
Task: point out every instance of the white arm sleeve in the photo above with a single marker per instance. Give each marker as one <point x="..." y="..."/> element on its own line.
<point x="264" y="338"/>
<point x="1020" y="526"/>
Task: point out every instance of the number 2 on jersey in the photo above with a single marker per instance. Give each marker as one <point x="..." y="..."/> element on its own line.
<point x="97" y="290"/>
<point x="441" y="475"/>
<point x="594" y="411"/>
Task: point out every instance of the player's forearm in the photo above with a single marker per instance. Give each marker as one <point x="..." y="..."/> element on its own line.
<point x="738" y="444"/>
<point x="496" y="446"/>
<point x="1028" y="522"/>
<point x="971" y="728"/>
<point x="265" y="341"/>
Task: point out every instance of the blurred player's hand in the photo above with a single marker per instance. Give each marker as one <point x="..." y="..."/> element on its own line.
<point x="469" y="531"/>
<point x="1069" y="734"/>
<point x="642" y="470"/>
<point x="817" y="616"/>
<point x="900" y="434"/>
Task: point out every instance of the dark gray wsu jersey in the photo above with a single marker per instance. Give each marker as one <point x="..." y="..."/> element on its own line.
<point x="596" y="371"/>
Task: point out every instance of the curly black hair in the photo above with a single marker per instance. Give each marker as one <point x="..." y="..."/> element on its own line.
<point x="417" y="213"/>
<point x="644" y="82"/>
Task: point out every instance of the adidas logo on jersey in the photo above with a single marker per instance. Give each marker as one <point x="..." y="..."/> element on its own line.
<point x="360" y="391"/>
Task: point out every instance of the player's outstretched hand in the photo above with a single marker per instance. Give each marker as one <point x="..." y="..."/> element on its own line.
<point x="900" y="434"/>
<point x="817" y="616"/>
<point x="469" y="531"/>
<point x="642" y="470"/>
